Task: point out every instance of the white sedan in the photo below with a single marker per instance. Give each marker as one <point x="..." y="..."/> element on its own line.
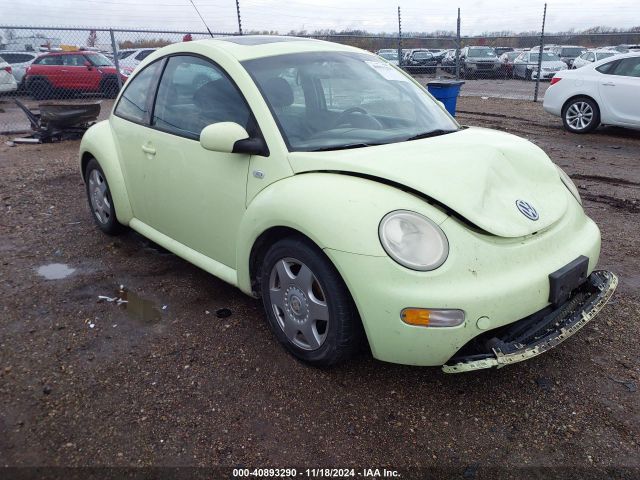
<point x="592" y="56"/>
<point x="7" y="82"/>
<point x="604" y="92"/>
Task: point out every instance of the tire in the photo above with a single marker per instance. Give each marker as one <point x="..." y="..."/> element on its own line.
<point x="527" y="74"/>
<point x="297" y="280"/>
<point x="580" y="115"/>
<point x="40" y="89"/>
<point x="100" y="202"/>
<point x="110" y="88"/>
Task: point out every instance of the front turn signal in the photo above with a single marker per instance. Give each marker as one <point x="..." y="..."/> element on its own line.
<point x="430" y="317"/>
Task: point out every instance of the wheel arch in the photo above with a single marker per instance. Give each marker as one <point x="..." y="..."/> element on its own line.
<point x="575" y="97"/>
<point x="346" y="220"/>
<point x="98" y="143"/>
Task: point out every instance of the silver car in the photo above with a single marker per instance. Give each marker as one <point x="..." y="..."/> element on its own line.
<point x="526" y="65"/>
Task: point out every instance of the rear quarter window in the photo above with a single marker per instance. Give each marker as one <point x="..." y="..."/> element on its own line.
<point x="606" y="68"/>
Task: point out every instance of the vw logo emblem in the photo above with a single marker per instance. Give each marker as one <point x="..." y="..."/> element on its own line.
<point x="527" y="210"/>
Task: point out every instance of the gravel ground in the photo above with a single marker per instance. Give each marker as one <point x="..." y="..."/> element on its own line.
<point x="168" y="383"/>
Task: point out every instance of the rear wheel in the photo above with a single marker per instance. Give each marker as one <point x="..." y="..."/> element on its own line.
<point x="307" y="304"/>
<point x="40" y="89"/>
<point x="100" y="201"/>
<point x="581" y="115"/>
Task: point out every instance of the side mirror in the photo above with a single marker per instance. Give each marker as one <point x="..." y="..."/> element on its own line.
<point x="229" y="137"/>
<point x="88" y="64"/>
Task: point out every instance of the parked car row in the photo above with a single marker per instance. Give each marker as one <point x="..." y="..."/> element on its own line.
<point x="55" y="73"/>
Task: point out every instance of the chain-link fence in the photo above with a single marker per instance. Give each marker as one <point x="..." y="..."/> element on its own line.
<point x="44" y="66"/>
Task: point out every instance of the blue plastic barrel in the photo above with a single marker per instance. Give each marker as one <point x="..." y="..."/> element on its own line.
<point x="447" y="92"/>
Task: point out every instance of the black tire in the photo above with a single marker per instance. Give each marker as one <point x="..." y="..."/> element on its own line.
<point x="105" y="218"/>
<point x="40" y="89"/>
<point x="527" y="74"/>
<point x="343" y="330"/>
<point x="571" y="124"/>
<point x="110" y="88"/>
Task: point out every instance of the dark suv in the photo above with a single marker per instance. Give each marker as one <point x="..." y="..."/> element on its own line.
<point x="568" y="53"/>
<point x="420" y="61"/>
<point x="74" y="72"/>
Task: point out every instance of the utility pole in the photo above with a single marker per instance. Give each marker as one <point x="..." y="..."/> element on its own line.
<point x="399" y="39"/>
<point x="458" y="48"/>
<point x="239" y="22"/>
<point x="544" y="17"/>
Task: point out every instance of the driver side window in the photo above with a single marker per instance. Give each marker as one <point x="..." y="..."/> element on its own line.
<point x="194" y="93"/>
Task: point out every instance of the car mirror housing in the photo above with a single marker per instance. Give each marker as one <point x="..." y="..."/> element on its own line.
<point x="229" y="137"/>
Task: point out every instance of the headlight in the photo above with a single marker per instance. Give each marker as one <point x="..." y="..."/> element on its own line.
<point x="413" y="240"/>
<point x="569" y="184"/>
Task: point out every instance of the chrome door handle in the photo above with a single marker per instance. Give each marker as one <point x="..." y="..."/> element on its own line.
<point x="148" y="150"/>
<point x="609" y="84"/>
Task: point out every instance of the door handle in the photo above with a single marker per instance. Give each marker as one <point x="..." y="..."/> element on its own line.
<point x="609" y="84"/>
<point x="148" y="150"/>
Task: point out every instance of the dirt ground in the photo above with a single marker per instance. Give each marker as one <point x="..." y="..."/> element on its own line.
<point x="166" y="382"/>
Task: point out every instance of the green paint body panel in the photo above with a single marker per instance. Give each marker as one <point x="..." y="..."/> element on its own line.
<point x="210" y="207"/>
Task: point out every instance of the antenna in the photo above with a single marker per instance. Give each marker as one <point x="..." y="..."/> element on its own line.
<point x="198" y="12"/>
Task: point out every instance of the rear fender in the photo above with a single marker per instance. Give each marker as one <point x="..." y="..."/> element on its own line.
<point x="98" y="143"/>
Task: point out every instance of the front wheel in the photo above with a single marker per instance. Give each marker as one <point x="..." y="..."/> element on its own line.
<point x="581" y="115"/>
<point x="100" y="201"/>
<point x="307" y="304"/>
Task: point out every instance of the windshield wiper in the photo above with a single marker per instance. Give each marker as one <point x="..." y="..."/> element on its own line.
<point x="432" y="133"/>
<point x="345" y="147"/>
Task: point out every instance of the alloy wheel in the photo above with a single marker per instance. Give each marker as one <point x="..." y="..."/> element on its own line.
<point x="579" y="115"/>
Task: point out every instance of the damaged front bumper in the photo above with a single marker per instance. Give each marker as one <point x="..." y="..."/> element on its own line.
<point x="537" y="333"/>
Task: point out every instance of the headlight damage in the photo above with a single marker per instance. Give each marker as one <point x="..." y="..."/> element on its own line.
<point x="413" y="240"/>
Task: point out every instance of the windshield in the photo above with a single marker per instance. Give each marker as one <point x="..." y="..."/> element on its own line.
<point x="481" y="52"/>
<point x="546" y="57"/>
<point x="389" y="55"/>
<point x="125" y="54"/>
<point x="98" y="59"/>
<point x="572" y="52"/>
<point x="422" y="55"/>
<point x="336" y="100"/>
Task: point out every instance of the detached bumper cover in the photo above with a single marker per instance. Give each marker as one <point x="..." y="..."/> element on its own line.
<point x="537" y="333"/>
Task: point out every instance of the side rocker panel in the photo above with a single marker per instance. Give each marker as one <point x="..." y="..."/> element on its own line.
<point x="98" y="142"/>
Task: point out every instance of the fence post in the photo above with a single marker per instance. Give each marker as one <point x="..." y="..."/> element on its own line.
<point x="399" y="39"/>
<point x="458" y="48"/>
<point x="114" y="47"/>
<point x="544" y="17"/>
<point x="238" y="12"/>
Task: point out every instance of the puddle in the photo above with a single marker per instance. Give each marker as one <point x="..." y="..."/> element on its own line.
<point x="135" y="306"/>
<point x="55" y="271"/>
<point x="139" y="308"/>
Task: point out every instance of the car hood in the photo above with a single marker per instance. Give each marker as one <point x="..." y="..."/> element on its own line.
<point x="477" y="173"/>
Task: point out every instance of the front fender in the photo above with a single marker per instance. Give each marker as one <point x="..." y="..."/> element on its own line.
<point x="98" y="142"/>
<point x="336" y="211"/>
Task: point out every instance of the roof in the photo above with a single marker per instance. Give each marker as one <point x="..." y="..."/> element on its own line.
<point x="247" y="47"/>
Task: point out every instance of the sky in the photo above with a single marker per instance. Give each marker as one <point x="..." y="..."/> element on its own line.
<point x="478" y="16"/>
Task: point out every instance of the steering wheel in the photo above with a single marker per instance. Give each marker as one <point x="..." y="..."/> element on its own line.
<point x="362" y="115"/>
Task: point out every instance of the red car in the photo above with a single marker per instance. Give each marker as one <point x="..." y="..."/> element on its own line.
<point x="75" y="72"/>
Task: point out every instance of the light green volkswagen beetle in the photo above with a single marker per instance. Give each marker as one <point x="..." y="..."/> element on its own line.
<point x="326" y="181"/>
